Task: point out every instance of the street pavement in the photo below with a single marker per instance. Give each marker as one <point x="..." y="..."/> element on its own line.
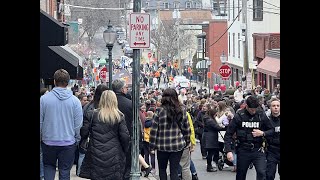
<point x="200" y="164"/>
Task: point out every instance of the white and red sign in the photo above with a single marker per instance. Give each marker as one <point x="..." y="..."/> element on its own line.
<point x="225" y="71"/>
<point x="139" y="28"/>
<point x="103" y="74"/>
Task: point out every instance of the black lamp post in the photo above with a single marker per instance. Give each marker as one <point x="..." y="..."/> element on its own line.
<point x="202" y="36"/>
<point x="109" y="37"/>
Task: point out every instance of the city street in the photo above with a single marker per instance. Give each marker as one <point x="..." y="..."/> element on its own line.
<point x="200" y="165"/>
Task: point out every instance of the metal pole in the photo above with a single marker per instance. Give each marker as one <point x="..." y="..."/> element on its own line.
<point x="179" y="56"/>
<point x="205" y="64"/>
<point x="135" y="172"/>
<point x="209" y="80"/>
<point x="245" y="42"/>
<point x="110" y="46"/>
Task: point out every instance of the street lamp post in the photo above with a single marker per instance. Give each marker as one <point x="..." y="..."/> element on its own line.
<point x="109" y="36"/>
<point x="208" y="62"/>
<point x="202" y="36"/>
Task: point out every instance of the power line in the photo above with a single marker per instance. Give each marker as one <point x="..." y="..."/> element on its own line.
<point x="226" y="29"/>
<point x="95" y="8"/>
<point x="271" y="4"/>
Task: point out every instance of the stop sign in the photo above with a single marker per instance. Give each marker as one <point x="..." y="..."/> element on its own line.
<point x="149" y="55"/>
<point x="103" y="74"/>
<point x="225" y="71"/>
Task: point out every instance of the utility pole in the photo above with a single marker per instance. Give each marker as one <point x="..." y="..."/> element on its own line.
<point x="245" y="40"/>
<point x="135" y="167"/>
<point x="179" y="54"/>
<point x="158" y="30"/>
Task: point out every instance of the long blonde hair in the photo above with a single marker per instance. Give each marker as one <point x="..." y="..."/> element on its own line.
<point x="108" y="105"/>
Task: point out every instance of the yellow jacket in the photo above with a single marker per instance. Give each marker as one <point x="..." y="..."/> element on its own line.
<point x="192" y="137"/>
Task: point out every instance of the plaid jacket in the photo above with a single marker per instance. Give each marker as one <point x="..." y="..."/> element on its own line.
<point x="168" y="137"/>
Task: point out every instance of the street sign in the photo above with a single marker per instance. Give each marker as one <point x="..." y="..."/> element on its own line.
<point x="149" y="55"/>
<point x="225" y="71"/>
<point x="139" y="28"/>
<point x="103" y="74"/>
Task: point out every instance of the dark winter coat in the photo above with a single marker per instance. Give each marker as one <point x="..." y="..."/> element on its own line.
<point x="105" y="158"/>
<point x="125" y="106"/>
<point x="211" y="133"/>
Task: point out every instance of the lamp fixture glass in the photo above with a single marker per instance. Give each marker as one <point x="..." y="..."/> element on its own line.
<point x="109" y="35"/>
<point x="223" y="58"/>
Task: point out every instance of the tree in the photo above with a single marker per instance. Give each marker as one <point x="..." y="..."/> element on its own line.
<point x="165" y="39"/>
<point x="93" y="19"/>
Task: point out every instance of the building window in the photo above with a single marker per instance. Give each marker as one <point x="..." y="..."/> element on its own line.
<point x="197" y="5"/>
<point x="238" y="45"/>
<point x="233" y="9"/>
<point x="229" y="37"/>
<point x="223" y="8"/>
<point x="228" y="5"/>
<point x="188" y="5"/>
<point x="239" y="10"/>
<point x="199" y="44"/>
<point x="233" y="44"/>
<point x="176" y="5"/>
<point x="257" y="10"/>
<point x="166" y="5"/>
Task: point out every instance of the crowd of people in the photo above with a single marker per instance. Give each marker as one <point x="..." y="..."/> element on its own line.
<point x="93" y="130"/>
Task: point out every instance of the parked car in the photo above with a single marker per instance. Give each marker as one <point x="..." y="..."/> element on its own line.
<point x="181" y="81"/>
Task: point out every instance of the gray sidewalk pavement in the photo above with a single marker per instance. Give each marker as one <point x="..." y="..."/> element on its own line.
<point x="73" y="175"/>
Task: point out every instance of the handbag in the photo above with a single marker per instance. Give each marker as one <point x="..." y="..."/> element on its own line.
<point x="85" y="142"/>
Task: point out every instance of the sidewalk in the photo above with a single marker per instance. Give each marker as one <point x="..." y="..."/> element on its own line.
<point x="73" y="175"/>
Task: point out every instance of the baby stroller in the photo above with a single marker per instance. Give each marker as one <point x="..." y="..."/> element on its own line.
<point x="223" y="158"/>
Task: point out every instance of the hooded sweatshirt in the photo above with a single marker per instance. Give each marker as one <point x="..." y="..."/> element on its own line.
<point x="61" y="117"/>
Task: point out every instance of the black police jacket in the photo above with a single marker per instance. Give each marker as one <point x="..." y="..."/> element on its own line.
<point x="274" y="140"/>
<point x="243" y="124"/>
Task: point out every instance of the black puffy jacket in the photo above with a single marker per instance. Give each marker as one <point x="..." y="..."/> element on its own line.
<point x="105" y="158"/>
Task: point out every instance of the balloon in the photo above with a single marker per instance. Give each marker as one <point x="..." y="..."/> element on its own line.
<point x="216" y="87"/>
<point x="237" y="83"/>
<point x="223" y="87"/>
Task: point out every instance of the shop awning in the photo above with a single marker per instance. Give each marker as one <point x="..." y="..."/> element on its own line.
<point x="68" y="54"/>
<point x="270" y="66"/>
<point x="53" y="58"/>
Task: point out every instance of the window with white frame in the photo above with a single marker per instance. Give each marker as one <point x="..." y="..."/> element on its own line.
<point x="166" y="5"/>
<point x="176" y="5"/>
<point x="233" y="44"/>
<point x="228" y="5"/>
<point x="188" y="5"/>
<point x="258" y="10"/>
<point x="233" y="9"/>
<point x="197" y="5"/>
<point x="199" y="44"/>
<point x="222" y="8"/>
<point x="238" y="45"/>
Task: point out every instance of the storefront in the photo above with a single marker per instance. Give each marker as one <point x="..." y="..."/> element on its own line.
<point x="269" y="69"/>
<point x="54" y="53"/>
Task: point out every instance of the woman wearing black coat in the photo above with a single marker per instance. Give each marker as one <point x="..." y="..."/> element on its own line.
<point x="210" y="138"/>
<point x="109" y="141"/>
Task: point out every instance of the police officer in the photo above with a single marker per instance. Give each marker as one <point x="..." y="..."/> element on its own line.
<point x="273" y="148"/>
<point x="250" y="125"/>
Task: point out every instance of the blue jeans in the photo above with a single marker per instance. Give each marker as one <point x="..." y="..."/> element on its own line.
<point x="41" y="163"/>
<point x="234" y="162"/>
<point x="192" y="167"/>
<point x="81" y="157"/>
<point x="65" y="157"/>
